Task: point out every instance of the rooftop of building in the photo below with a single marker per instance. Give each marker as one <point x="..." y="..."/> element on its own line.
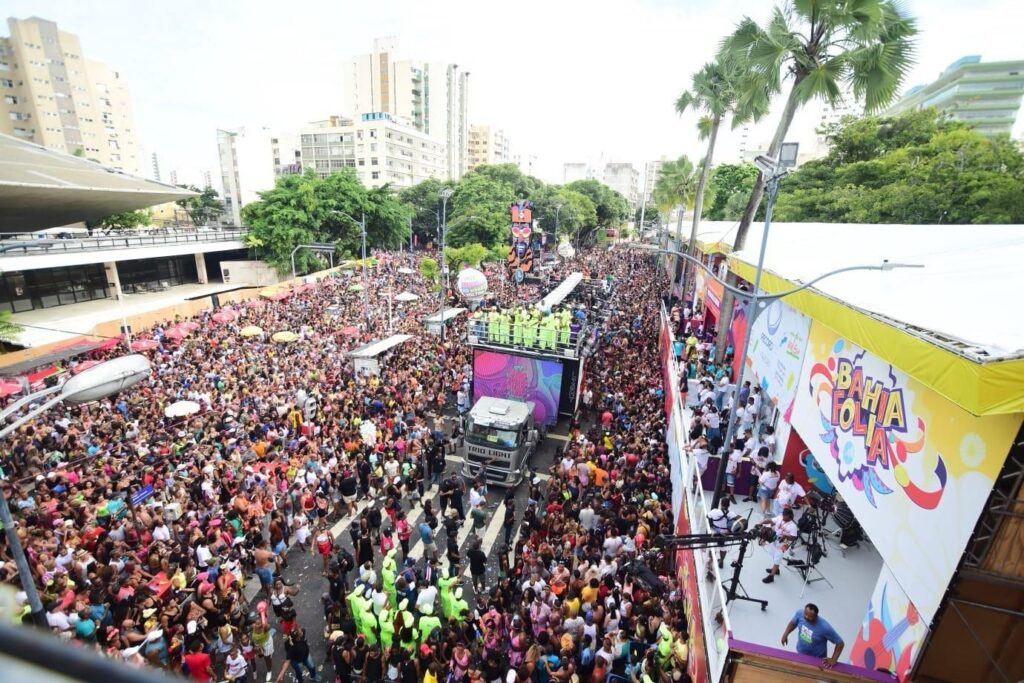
<point x="960" y="300"/>
<point x="43" y="188"/>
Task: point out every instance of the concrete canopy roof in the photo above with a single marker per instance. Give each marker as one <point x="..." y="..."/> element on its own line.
<point x="42" y="188"/>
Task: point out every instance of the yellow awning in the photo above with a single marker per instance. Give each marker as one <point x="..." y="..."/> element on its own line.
<point x="992" y="388"/>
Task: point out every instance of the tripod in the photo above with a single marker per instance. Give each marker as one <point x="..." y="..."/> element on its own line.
<point x="808" y="567"/>
<point x="736" y="591"/>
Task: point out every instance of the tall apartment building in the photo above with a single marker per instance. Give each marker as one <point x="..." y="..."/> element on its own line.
<point x="488" y="146"/>
<point x="432" y="96"/>
<point x="624" y="179"/>
<point x="251" y="158"/>
<point x="52" y="95"/>
<point x="652" y="169"/>
<point x="381" y="148"/>
<point x="985" y="95"/>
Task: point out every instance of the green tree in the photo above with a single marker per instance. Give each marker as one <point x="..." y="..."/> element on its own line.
<point x="676" y="186"/>
<point x="429" y="269"/>
<point x="523" y="186"/>
<point x="423" y="200"/>
<point x="478" y="211"/>
<point x="287" y="215"/>
<point x="918" y="167"/>
<point x="726" y="182"/>
<point x="715" y="92"/>
<point x="469" y="255"/>
<point x="820" y="46"/>
<point x="126" y="220"/>
<point x="8" y="330"/>
<point x="387" y="219"/>
<point x="649" y="213"/>
<point x="610" y="208"/>
<point x="204" y="207"/>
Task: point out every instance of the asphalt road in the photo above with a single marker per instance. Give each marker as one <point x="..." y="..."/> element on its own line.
<point x="304" y="569"/>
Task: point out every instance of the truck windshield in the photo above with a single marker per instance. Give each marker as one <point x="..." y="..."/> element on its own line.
<point x="492" y="436"/>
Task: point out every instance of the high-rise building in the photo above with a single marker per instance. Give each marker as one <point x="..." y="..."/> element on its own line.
<point x="378" y="146"/>
<point x="207" y="179"/>
<point x="985" y="95"/>
<point x="652" y="169"/>
<point x="174" y="177"/>
<point x="433" y="97"/>
<point x="52" y="95"/>
<point x="624" y="179"/>
<point x="487" y="146"/>
<point x="251" y="158"/>
<point x="155" y="165"/>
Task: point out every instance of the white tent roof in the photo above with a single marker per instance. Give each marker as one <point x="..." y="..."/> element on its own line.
<point x="448" y="314"/>
<point x="964" y="297"/>
<point x="374" y="349"/>
<point x="558" y="294"/>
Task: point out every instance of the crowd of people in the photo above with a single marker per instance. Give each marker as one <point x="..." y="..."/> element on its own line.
<point x="289" y="439"/>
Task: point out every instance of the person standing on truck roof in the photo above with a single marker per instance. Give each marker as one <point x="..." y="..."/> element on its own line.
<point x="529" y="328"/>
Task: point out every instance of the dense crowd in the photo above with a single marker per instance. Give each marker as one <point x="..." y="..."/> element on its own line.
<point x="289" y="438"/>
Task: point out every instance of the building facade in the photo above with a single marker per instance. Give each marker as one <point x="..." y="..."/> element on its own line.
<point x="378" y="146"/>
<point x="652" y="169"/>
<point x="487" y="146"/>
<point x="985" y="95"/>
<point x="52" y="95"/>
<point x="251" y="158"/>
<point x="575" y="170"/>
<point x="624" y="179"/>
<point x="432" y="96"/>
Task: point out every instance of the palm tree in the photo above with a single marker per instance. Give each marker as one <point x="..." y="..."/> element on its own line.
<point x="676" y="186"/>
<point x="715" y="93"/>
<point x="820" y="47"/>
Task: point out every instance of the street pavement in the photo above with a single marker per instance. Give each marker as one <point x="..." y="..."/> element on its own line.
<point x="305" y="568"/>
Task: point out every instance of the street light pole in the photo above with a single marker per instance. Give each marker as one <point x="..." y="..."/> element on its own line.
<point x="445" y="194"/>
<point x="366" y="283"/>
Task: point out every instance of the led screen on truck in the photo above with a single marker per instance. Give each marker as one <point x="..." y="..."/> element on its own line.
<point x="503" y="375"/>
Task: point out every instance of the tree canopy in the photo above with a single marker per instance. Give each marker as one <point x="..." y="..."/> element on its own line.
<point x="126" y="220"/>
<point x="303" y="209"/>
<point x="915" y="168"/>
<point x="203" y="208"/>
<point x="728" y="189"/>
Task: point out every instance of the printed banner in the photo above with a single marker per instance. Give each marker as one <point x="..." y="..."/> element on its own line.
<point x="914" y="468"/>
<point x="777" y="353"/>
<point x="503" y="375"/>
<point x="892" y="633"/>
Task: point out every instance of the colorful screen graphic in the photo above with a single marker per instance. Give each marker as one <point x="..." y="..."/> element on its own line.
<point x="520" y="378"/>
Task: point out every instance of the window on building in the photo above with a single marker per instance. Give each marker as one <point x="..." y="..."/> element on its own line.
<point x="6" y="83"/>
<point x="373" y="161"/>
<point x="362" y="162"/>
<point x="375" y="175"/>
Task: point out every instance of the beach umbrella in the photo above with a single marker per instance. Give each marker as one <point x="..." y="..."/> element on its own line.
<point x="182" y="409"/>
<point x="251" y="331"/>
<point x="284" y="337"/>
<point x="225" y="316"/>
<point x="84" y="365"/>
<point x="350" y="331"/>
<point x="355" y="288"/>
<point x="176" y="333"/>
<point x="406" y="296"/>
<point x="145" y="344"/>
<point x="406" y="271"/>
<point x="254" y="303"/>
<point x="189" y="325"/>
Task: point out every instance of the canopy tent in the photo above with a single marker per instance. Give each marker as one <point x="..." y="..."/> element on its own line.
<point x="434" y="322"/>
<point x="406" y="296"/>
<point x="365" y="358"/>
<point x="145" y="344"/>
<point x="75" y="347"/>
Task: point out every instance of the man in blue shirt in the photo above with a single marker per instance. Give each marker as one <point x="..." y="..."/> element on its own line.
<point x="813" y="635"/>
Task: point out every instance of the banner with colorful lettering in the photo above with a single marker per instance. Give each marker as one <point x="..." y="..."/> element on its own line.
<point x="914" y="468"/>
<point x="892" y="632"/>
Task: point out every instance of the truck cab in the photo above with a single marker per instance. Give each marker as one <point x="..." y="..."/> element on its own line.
<point x="500" y="437"/>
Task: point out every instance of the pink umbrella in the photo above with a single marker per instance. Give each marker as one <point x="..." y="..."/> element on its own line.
<point x="176" y="333"/>
<point x="145" y="344"/>
<point x="9" y="387"/>
<point x="350" y="331"/>
<point x="225" y="316"/>
<point x="85" y="365"/>
<point x="254" y="303"/>
<point x="189" y="325"/>
<point x="278" y="296"/>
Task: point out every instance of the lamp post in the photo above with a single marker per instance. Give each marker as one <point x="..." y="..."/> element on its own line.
<point x="93" y="384"/>
<point x="445" y="195"/>
<point x="366" y="286"/>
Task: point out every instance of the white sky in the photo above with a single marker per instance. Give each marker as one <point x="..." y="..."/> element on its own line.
<point x="571" y="80"/>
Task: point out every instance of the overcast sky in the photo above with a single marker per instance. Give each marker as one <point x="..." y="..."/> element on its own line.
<point x="571" y="80"/>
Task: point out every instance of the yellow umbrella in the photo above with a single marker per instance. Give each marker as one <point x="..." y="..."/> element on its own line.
<point x="251" y="331"/>
<point x="284" y="337"/>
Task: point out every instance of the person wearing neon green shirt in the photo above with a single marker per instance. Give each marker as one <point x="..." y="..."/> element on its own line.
<point x="428" y="622"/>
<point x="445" y="585"/>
